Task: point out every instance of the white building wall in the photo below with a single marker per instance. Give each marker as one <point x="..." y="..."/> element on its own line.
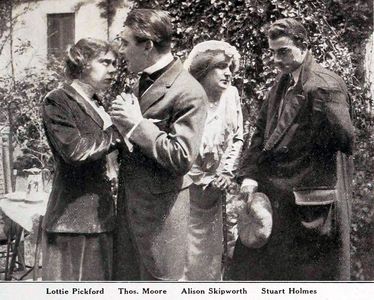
<point x="32" y="26"/>
<point x="369" y="64"/>
<point x="119" y="20"/>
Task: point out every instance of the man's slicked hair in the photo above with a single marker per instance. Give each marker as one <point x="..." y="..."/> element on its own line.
<point x="290" y="28"/>
<point x="151" y="24"/>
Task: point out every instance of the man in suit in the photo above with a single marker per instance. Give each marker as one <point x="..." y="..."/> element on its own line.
<point x="296" y="158"/>
<point x="162" y="131"/>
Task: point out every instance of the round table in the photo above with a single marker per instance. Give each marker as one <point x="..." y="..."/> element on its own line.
<point x="27" y="210"/>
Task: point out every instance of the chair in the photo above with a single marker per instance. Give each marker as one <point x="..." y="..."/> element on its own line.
<point x="11" y="247"/>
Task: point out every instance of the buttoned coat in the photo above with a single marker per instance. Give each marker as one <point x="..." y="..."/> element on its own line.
<point x="303" y="147"/>
<point x="80" y="201"/>
<point x="153" y="201"/>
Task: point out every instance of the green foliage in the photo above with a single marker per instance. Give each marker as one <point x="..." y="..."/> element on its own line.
<point x="338" y="30"/>
<point x="21" y="99"/>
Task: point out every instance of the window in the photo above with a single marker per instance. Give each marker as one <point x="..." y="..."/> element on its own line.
<point x="61" y="31"/>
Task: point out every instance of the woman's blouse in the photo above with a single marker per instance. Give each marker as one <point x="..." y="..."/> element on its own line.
<point x="222" y="140"/>
<point x="98" y="108"/>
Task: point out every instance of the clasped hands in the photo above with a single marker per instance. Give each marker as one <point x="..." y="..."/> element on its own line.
<point x="125" y="112"/>
<point x="224" y="183"/>
<point x="221" y="182"/>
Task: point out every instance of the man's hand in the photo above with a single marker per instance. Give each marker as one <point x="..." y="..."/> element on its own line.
<point x="221" y="182"/>
<point x="247" y="189"/>
<point x="125" y="112"/>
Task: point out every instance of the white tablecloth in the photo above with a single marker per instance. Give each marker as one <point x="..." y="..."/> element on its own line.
<point x="24" y="213"/>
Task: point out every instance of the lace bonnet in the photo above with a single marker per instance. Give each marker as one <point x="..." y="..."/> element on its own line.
<point x="213" y="45"/>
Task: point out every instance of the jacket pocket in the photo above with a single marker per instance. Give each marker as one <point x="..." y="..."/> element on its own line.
<point x="316" y="208"/>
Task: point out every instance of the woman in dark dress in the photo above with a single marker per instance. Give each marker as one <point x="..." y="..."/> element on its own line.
<point x="78" y="224"/>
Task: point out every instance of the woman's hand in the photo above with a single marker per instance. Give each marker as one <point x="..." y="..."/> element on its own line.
<point x="125" y="112"/>
<point x="221" y="182"/>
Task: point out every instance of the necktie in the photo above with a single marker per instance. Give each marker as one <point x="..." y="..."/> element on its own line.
<point x="290" y="85"/>
<point x="97" y="100"/>
<point x="145" y="82"/>
<point x="101" y="111"/>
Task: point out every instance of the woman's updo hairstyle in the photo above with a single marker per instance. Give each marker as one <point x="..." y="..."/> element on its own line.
<point x="205" y="57"/>
<point x="82" y="53"/>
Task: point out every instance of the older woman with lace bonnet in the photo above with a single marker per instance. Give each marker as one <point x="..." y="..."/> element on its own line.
<point x="213" y="63"/>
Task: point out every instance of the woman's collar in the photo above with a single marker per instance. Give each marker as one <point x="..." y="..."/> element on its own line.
<point x="82" y="87"/>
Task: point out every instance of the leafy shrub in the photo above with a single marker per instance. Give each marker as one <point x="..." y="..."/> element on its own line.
<point x="22" y="100"/>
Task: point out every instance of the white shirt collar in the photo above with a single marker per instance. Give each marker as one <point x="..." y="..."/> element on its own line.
<point x="296" y="74"/>
<point x="162" y="62"/>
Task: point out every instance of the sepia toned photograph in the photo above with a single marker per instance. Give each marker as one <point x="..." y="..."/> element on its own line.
<point x="186" y="141"/>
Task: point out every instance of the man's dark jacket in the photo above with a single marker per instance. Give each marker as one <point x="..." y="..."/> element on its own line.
<point x="301" y="149"/>
<point x="153" y="200"/>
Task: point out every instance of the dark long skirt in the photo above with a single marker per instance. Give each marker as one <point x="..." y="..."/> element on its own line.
<point x="77" y="257"/>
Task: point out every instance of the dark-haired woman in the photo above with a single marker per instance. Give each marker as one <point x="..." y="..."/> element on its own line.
<point x="78" y="224"/>
<point x="212" y="63"/>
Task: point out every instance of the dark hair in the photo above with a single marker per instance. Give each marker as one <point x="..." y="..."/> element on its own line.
<point x="151" y="24"/>
<point x="79" y="55"/>
<point x="291" y="28"/>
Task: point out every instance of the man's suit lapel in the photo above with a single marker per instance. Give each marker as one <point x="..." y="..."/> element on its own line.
<point x="275" y="97"/>
<point x="160" y="86"/>
<point x="294" y="100"/>
<point x="86" y="107"/>
<point x="135" y="89"/>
